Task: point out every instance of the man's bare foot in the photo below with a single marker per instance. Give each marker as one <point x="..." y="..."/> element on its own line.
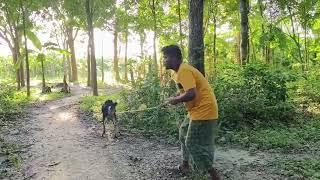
<point x="184" y="168"/>
<point x="214" y="174"/>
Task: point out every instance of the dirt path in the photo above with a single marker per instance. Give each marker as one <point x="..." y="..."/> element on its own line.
<point x="67" y="146"/>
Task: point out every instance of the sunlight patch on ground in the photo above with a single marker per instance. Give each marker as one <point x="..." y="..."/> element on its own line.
<point x="65" y="116"/>
<point x="52" y="107"/>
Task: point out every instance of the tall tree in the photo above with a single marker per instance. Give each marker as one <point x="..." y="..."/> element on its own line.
<point x="154" y="15"/>
<point x="11" y="34"/>
<point x="88" y="65"/>
<point x="196" y="47"/>
<point x="89" y="11"/>
<point x="244" y="28"/>
<point x="25" y="46"/>
<point x="71" y="38"/>
<point x="102" y="65"/>
<point x="180" y="24"/>
<point x="115" y="51"/>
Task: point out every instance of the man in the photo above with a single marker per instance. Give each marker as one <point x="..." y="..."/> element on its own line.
<point x="197" y="133"/>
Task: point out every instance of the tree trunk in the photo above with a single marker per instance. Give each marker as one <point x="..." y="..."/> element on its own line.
<point x="89" y="11"/>
<point x="26" y="49"/>
<point x="126" y="57"/>
<point x="305" y="45"/>
<point x="65" y="65"/>
<point x="155" y="64"/>
<point x="102" y="66"/>
<point x="73" y="55"/>
<point x="15" y="61"/>
<point x="261" y="10"/>
<point x="244" y="29"/>
<point x="88" y="66"/>
<point x="142" y="39"/>
<point x="131" y="75"/>
<point x="43" y="77"/>
<point x="294" y="37"/>
<point x="215" y="58"/>
<point x="196" y="47"/>
<point x="180" y="25"/>
<point x="23" y="83"/>
<point x="115" y="55"/>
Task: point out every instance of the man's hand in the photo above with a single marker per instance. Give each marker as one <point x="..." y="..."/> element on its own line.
<point x="185" y="97"/>
<point x="172" y="101"/>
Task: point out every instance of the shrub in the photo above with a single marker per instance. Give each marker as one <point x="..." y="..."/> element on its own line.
<point x="254" y="94"/>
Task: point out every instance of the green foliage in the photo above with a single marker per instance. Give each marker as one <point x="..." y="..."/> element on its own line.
<point x="255" y="94"/>
<point x="299" y="137"/>
<point x="93" y="104"/>
<point x="308" y="87"/>
<point x="308" y="167"/>
<point x="160" y="121"/>
<point x="34" y="39"/>
<point x="11" y="102"/>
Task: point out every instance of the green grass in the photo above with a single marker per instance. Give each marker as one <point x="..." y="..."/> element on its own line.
<point x="301" y="167"/>
<point x="92" y="104"/>
<point x="305" y="135"/>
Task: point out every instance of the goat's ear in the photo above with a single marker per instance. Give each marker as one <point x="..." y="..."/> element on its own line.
<point x="115" y="103"/>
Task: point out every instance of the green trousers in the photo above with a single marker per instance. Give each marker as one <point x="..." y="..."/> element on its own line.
<point x="197" y="140"/>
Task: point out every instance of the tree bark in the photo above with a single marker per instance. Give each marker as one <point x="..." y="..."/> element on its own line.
<point x="89" y="11"/>
<point x="244" y="29"/>
<point x="74" y="70"/>
<point x="23" y="83"/>
<point x="26" y="48"/>
<point x="196" y="46"/>
<point x="294" y="37"/>
<point x="43" y="77"/>
<point x="142" y="39"/>
<point x="126" y="57"/>
<point x="102" y="66"/>
<point x="88" y="66"/>
<point x="180" y="25"/>
<point x="155" y="64"/>
<point x="15" y="61"/>
<point x="215" y="58"/>
<point x="115" y="54"/>
<point x="261" y="10"/>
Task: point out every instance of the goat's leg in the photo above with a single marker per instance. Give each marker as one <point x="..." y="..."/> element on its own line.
<point x="104" y="125"/>
<point x="116" y="127"/>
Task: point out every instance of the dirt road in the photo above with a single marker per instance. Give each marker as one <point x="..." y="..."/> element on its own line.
<point x="66" y="145"/>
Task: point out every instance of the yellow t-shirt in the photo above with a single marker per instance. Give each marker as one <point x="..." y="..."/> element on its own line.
<point x="204" y="106"/>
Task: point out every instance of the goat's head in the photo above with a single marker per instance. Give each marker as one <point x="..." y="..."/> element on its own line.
<point x="109" y="108"/>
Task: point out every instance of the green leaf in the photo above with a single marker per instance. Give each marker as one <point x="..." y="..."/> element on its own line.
<point x="34" y="39"/>
<point x="61" y="51"/>
<point x="41" y="57"/>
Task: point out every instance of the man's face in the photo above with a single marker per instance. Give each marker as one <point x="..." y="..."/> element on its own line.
<point x="169" y="61"/>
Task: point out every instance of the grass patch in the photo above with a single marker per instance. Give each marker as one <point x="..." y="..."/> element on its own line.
<point x="52" y="96"/>
<point x="92" y="104"/>
<point x="305" y="135"/>
<point x="306" y="168"/>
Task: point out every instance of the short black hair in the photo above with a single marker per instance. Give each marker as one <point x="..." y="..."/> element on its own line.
<point x="172" y="50"/>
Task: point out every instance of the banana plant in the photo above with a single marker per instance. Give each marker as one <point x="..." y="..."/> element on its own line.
<point x="40" y="53"/>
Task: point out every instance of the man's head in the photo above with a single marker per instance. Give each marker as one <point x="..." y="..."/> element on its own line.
<point x="172" y="57"/>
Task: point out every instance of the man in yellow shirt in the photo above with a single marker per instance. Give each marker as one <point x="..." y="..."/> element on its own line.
<point x="197" y="133"/>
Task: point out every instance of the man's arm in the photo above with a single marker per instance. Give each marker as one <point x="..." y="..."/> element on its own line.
<point x="189" y="95"/>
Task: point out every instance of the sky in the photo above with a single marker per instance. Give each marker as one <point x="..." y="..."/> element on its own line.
<point x="103" y="44"/>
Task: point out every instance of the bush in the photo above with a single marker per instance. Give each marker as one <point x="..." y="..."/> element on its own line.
<point x="12" y="102"/>
<point x="308" y="86"/>
<point x="160" y="121"/>
<point x="254" y="94"/>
